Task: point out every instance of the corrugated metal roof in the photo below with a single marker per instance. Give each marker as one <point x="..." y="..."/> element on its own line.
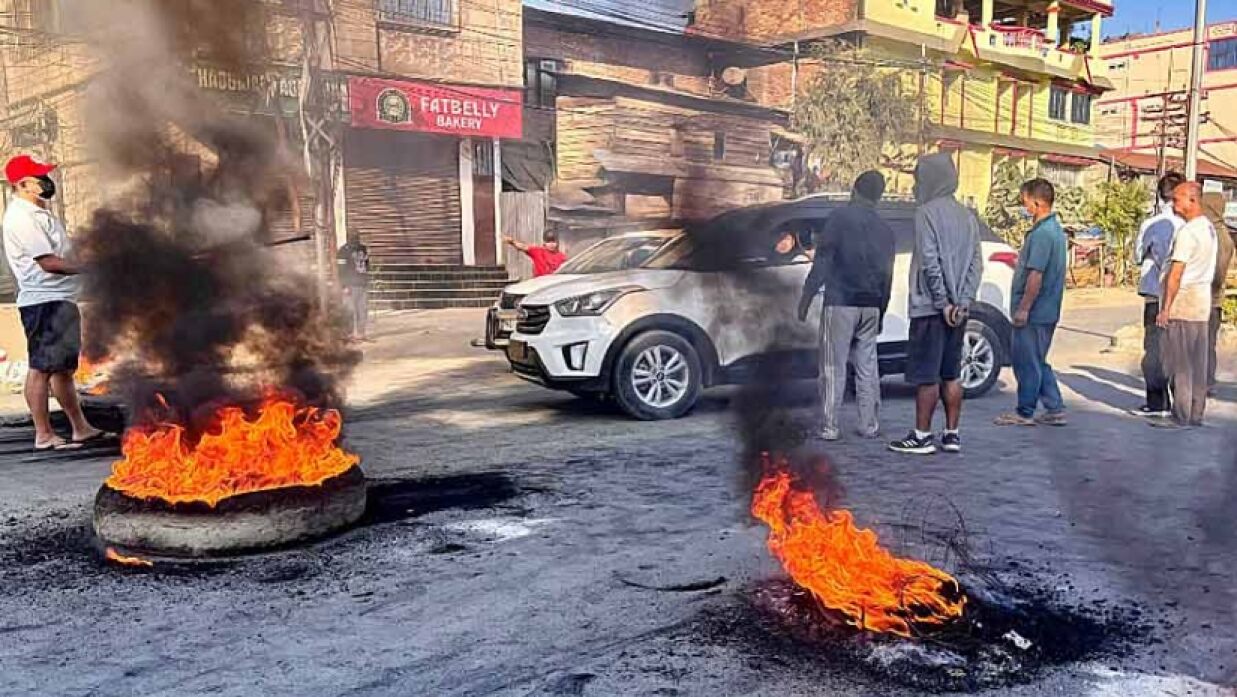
<point x="657" y="15"/>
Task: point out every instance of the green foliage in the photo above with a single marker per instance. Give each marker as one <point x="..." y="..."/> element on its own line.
<point x="1229" y="308"/>
<point x="1004" y="211"/>
<point x="855" y="115"/>
<point x="1118" y="208"/>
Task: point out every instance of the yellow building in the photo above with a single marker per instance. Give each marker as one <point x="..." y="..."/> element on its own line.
<point x="1146" y="111"/>
<point x="1000" y="78"/>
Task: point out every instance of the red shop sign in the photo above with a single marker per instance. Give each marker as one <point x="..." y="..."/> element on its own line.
<point x="434" y="108"/>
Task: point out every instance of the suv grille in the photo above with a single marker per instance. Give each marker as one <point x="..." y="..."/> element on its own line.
<point x="508" y="301"/>
<point x="533" y="319"/>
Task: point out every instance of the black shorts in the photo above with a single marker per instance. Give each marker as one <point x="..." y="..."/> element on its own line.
<point x="53" y="336"/>
<point x="935" y="351"/>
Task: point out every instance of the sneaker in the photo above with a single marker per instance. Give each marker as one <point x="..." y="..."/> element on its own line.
<point x="1150" y="413"/>
<point x="1013" y="418"/>
<point x="1052" y="418"/>
<point x="829" y="434"/>
<point x="914" y="445"/>
<point x="874" y="433"/>
<point x="951" y="442"/>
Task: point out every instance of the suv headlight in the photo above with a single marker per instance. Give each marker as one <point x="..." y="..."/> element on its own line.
<point x="592" y="304"/>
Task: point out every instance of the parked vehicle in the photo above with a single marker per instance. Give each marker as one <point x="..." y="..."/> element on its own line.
<point x="716" y="298"/>
<point x="616" y="253"/>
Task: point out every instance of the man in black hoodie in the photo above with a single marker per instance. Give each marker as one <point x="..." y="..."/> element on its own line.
<point x="853" y="274"/>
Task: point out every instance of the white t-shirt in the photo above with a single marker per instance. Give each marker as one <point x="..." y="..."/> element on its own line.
<point x="31" y="232"/>
<point x="1195" y="245"/>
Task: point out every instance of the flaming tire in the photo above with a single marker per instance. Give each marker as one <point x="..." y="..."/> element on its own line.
<point x="657" y="376"/>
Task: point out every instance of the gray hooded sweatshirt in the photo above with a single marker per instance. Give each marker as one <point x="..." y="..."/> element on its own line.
<point x="948" y="262"/>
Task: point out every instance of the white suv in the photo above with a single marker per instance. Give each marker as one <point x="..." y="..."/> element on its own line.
<point x="624" y="251"/>
<point x="717" y="298"/>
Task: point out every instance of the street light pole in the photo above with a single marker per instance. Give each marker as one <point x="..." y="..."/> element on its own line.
<point x="1196" y="91"/>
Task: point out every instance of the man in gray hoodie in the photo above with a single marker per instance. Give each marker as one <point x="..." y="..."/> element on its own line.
<point x="946" y="267"/>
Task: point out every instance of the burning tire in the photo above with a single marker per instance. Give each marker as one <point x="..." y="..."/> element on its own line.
<point x="243" y="523"/>
<point x="657" y="376"/>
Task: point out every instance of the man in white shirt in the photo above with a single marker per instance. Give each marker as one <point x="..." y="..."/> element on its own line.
<point x="1186" y="308"/>
<point x="38" y="251"/>
<point x="1151" y="249"/>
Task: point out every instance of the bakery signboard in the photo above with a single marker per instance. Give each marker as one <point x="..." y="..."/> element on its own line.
<point x="403" y="105"/>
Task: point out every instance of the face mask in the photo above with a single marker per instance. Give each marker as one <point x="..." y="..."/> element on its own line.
<point x="1025" y="214"/>
<point x="47" y="188"/>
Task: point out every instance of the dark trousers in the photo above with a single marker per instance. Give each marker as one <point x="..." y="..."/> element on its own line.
<point x="1037" y="382"/>
<point x="1185" y="357"/>
<point x="1213" y="334"/>
<point x="1154" y="374"/>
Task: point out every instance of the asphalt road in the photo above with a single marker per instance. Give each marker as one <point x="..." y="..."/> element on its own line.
<point x="528" y="543"/>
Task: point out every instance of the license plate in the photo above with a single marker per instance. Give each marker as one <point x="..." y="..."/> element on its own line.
<point x="517" y="351"/>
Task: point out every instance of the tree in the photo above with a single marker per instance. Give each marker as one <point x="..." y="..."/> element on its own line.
<point x="1117" y="208"/>
<point x="855" y="115"/>
<point x="1004" y="213"/>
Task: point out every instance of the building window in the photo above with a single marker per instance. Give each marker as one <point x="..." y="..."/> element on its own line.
<point x="1080" y="111"/>
<point x="418" y="13"/>
<point x="1057" y="97"/>
<point x="1061" y="175"/>
<point x="719" y="145"/>
<point x="540" y="82"/>
<point x="1222" y="55"/>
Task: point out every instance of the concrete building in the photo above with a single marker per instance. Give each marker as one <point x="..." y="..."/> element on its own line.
<point x="427" y="90"/>
<point x="1001" y="79"/>
<point x="1143" y="119"/>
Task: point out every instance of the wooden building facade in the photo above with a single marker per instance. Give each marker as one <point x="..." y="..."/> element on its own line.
<point x="637" y="128"/>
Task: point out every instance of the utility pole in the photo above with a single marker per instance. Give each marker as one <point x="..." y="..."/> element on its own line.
<point x="317" y="120"/>
<point x="1196" y="91"/>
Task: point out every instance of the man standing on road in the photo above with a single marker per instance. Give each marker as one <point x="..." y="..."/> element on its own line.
<point x="1151" y="249"/>
<point x="38" y="250"/>
<point x="1038" y="288"/>
<point x="1213" y="208"/>
<point x="853" y="273"/>
<point x="546" y="257"/>
<point x="945" y="271"/>
<point x="353" y="260"/>
<point x="1186" y="309"/>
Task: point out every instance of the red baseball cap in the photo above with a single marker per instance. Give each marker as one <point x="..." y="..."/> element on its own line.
<point x="24" y="166"/>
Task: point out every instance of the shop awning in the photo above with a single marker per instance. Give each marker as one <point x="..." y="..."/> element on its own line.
<point x="1148" y="163"/>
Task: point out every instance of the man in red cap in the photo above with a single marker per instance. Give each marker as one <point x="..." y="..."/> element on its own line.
<point x="38" y="252"/>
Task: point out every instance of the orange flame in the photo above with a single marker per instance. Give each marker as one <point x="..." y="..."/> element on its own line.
<point x="89" y="371"/>
<point x="281" y="445"/>
<point x="113" y="556"/>
<point x="844" y="567"/>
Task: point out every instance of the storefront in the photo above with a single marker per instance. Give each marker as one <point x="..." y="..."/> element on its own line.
<point x="422" y="169"/>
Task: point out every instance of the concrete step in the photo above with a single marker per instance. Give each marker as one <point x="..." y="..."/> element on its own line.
<point x="493" y="284"/>
<point x="432" y="304"/>
<point x="436" y="294"/>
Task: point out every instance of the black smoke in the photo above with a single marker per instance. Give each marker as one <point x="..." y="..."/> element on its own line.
<point x="182" y="287"/>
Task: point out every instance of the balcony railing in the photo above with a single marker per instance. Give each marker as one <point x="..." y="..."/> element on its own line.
<point x="431" y="14"/>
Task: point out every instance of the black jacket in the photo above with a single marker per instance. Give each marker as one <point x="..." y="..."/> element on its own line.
<point x="854" y="259"/>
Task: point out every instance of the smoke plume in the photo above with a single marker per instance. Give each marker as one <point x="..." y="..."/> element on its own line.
<point x="182" y="287"/>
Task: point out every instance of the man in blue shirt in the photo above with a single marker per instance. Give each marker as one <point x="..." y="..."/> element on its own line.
<point x="1152" y="250"/>
<point x="1039" y="285"/>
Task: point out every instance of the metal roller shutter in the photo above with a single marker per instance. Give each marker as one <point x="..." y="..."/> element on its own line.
<point x="403" y="196"/>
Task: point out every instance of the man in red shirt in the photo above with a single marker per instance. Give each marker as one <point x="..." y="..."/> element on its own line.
<point x="546" y="257"/>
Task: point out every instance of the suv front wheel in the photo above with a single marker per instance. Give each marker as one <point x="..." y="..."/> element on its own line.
<point x="657" y="376"/>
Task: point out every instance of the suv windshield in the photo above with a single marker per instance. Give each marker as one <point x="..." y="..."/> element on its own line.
<point x="616" y="254"/>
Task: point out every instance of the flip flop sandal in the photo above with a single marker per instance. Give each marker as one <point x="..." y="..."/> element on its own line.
<point x="100" y="437"/>
<point x="56" y="445"/>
